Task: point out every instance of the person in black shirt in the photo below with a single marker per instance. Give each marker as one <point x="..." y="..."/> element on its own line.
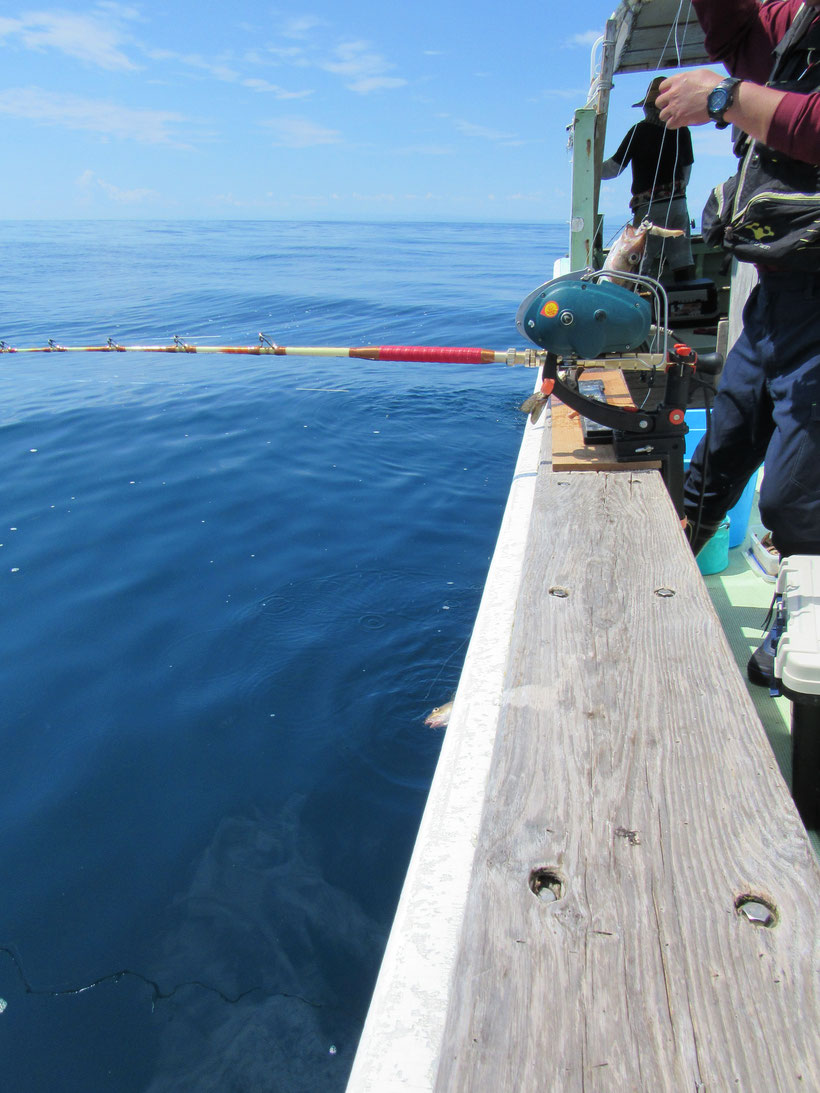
<point x="661" y="161"/>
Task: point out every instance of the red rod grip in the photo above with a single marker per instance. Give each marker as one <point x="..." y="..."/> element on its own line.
<point x="427" y="353"/>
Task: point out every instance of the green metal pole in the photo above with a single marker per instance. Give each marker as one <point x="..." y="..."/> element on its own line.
<point x="582" y="222"/>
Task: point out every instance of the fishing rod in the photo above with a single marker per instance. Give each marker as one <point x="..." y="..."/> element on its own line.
<point x="578" y="320"/>
<point x="420" y="354"/>
<point x="530" y="358"/>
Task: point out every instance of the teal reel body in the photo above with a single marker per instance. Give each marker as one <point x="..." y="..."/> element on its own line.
<point x="575" y="317"/>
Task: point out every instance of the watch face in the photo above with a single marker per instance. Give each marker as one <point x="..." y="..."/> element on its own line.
<point x="717" y="100"/>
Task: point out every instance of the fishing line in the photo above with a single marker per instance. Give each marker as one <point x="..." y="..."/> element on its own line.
<point x="457" y="650"/>
<point x="157" y="994"/>
<point x="616" y="233"/>
<point x="674" y="37"/>
<point x="678" y="44"/>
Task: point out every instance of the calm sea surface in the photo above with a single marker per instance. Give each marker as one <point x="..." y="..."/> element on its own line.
<point x="231" y="589"/>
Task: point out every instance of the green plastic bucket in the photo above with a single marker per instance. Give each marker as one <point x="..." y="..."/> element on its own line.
<point x="714" y="556"/>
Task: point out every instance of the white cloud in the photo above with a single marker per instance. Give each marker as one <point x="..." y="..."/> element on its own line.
<point x="96" y="40"/>
<point x="126" y="197"/>
<point x="194" y="60"/>
<point x="374" y="199"/>
<point x="575" y="94"/>
<point x="468" y="129"/>
<point x="274" y="89"/>
<point x="122" y="11"/>
<point x="294" y="55"/>
<point x="105" y="118"/>
<point x="375" y="83"/>
<point x="89" y="180"/>
<point x="301" y="133"/>
<point x="587" y="38"/>
<point x="301" y="26"/>
<point x="535" y="197"/>
<point x="225" y="73"/>
<point x="362" y="67"/>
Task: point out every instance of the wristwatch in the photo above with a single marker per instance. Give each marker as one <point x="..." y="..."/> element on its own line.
<point x="720" y="99"/>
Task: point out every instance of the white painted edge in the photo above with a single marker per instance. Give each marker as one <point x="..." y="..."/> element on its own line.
<point x="401" y="1041"/>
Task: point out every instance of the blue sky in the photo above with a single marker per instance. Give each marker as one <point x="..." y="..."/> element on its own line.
<point x="364" y="109"/>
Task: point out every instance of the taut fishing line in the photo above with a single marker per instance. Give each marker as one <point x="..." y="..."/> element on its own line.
<point x="157" y="993"/>
<point x="678" y="42"/>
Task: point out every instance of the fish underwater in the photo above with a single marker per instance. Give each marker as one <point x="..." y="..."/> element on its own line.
<point x="439" y="717"/>
<point x="626" y="252"/>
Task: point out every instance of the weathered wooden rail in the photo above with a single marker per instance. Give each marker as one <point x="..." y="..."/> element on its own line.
<point x="632" y="777"/>
<point x="642" y="907"/>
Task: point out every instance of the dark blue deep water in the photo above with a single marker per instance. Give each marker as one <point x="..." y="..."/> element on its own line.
<point x="231" y="589"/>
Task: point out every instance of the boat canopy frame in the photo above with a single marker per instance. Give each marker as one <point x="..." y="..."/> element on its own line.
<point x="640" y="36"/>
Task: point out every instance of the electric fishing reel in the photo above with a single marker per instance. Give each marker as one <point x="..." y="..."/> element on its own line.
<point x="581" y="316"/>
<point x="578" y="316"/>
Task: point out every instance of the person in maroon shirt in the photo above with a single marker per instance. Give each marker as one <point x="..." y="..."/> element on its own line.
<point x="742" y="34"/>
<point x="767" y="408"/>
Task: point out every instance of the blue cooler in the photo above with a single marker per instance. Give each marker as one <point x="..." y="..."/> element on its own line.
<point x="739" y="515"/>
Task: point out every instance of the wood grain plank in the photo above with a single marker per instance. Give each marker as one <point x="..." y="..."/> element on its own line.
<point x="569" y="452"/>
<point x="630" y="761"/>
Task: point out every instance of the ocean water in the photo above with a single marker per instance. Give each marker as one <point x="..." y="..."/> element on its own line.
<point x="231" y="589"/>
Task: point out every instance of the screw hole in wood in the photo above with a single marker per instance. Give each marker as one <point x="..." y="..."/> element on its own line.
<point x="546" y="884"/>
<point x="757" y="909"/>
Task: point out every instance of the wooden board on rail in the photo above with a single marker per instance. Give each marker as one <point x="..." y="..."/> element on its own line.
<point x="569" y="452"/>
<point x="633" y="809"/>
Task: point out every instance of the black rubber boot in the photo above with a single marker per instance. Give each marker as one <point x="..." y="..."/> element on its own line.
<point x="760" y="668"/>
<point x="699" y="539"/>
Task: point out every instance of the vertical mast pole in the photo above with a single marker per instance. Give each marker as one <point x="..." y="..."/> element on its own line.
<point x="588" y="136"/>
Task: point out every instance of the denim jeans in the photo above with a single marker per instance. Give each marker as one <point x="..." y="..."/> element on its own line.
<point x="767" y="409"/>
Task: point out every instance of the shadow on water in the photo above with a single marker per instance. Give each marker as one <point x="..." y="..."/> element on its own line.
<point x="235" y="997"/>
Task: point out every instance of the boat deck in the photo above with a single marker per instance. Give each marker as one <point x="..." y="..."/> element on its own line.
<point x="581" y="924"/>
<point x="741" y="599"/>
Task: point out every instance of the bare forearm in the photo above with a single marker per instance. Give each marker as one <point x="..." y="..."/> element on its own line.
<point x="682" y="101"/>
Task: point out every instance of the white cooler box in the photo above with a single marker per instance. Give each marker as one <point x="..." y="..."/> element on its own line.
<point x="797" y="672"/>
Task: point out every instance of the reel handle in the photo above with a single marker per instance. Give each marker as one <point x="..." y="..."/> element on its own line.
<point x="710" y="364"/>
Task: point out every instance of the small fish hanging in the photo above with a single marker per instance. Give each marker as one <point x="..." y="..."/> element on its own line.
<point x="626" y="252"/>
<point x="439" y="717"/>
<point x="534" y="405"/>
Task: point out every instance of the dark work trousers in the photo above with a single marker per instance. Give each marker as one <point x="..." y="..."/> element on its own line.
<point x="767" y="409"/>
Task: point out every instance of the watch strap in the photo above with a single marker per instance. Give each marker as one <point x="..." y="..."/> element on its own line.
<point x="728" y="86"/>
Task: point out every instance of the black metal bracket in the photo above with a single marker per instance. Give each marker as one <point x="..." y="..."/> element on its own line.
<point x="644" y="435"/>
